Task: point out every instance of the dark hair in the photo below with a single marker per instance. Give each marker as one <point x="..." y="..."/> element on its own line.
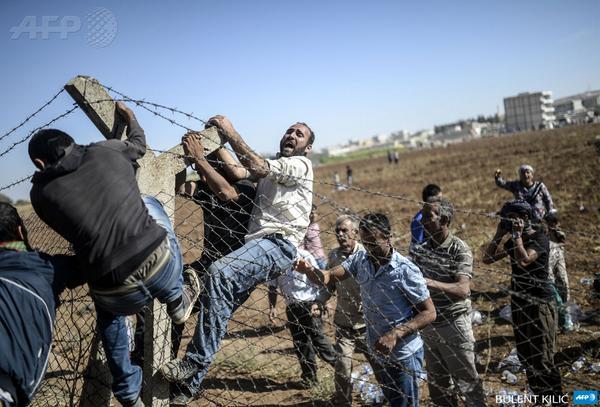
<point x="9" y="223"/>
<point x="446" y="210"/>
<point x="376" y="221"/>
<point x="49" y="145"/>
<point x="311" y="135"/>
<point x="429" y="191"/>
<point x="518" y="206"/>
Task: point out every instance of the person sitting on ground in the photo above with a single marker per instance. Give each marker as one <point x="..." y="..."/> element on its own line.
<point x="305" y="302"/>
<point x="312" y="239"/>
<point x="396" y="305"/>
<point x="529" y="190"/>
<point x="30" y="285"/>
<point x="124" y="243"/>
<point x="278" y="224"/>
<point x="416" y="228"/>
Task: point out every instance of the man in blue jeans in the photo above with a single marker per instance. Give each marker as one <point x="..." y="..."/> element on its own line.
<point x="396" y="304"/>
<point x="124" y="244"/>
<point x="277" y="226"/>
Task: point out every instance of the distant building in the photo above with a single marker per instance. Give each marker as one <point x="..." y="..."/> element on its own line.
<point x="577" y="109"/>
<point x="529" y="111"/>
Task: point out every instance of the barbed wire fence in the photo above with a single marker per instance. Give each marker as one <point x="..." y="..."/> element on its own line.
<point x="256" y="364"/>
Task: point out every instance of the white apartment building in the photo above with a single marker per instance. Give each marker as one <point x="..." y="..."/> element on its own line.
<point x="529" y="111"/>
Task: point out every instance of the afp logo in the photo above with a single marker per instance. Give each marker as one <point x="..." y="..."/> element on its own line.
<point x="589" y="397"/>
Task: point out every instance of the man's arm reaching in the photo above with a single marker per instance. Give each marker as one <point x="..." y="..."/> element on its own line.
<point x="193" y="148"/>
<point x="322" y="277"/>
<point x="134" y="146"/>
<point x="254" y="163"/>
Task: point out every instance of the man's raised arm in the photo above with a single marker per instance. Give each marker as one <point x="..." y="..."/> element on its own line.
<point x="134" y="146"/>
<point x="254" y="163"/>
<point x="193" y="148"/>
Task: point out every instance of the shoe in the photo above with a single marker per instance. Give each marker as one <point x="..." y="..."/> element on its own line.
<point x="180" y="399"/>
<point x="190" y="293"/>
<point x="178" y="370"/>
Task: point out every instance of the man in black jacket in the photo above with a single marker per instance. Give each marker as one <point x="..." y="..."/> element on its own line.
<point x="124" y="243"/>
<point x="30" y="283"/>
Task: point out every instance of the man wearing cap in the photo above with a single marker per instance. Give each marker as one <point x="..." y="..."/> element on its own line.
<point x="525" y="188"/>
<point x="124" y="243"/>
<point x="532" y="301"/>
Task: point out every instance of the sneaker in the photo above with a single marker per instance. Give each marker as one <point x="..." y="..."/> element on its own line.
<point x="178" y="370"/>
<point x="180" y="399"/>
<point x="191" y="291"/>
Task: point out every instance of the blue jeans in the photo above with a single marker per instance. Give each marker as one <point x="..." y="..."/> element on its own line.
<point x="228" y="283"/>
<point x="165" y="285"/>
<point x="400" y="379"/>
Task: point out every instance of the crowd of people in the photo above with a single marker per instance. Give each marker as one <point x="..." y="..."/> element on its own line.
<point x="408" y="314"/>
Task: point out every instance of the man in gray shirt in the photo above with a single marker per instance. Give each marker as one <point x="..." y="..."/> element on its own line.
<point x="447" y="265"/>
<point x="348" y="320"/>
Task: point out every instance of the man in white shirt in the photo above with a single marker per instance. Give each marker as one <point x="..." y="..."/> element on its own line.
<point x="278" y="224"/>
<point x="304" y="302"/>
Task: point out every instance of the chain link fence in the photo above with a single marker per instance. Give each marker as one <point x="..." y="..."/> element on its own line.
<point x="257" y="363"/>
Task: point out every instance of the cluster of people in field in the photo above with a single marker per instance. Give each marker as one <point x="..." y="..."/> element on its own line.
<point x="407" y="314"/>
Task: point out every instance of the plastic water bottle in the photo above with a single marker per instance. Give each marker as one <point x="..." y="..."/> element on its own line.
<point x="509" y="377"/>
<point x="502" y="392"/>
<point x="379" y="395"/>
<point x="515" y="396"/>
<point x="578" y="364"/>
<point x="586" y="281"/>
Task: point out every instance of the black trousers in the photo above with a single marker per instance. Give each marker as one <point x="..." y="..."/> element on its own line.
<point x="534" y="327"/>
<point x="309" y="339"/>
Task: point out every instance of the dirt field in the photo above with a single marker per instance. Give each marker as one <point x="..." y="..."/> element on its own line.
<point x="257" y="366"/>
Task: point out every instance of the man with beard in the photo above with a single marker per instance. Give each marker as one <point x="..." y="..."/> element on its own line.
<point x="447" y="265"/>
<point x="277" y="227"/>
<point x="396" y="305"/>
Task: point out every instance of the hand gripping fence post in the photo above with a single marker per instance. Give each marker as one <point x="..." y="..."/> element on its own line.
<point x="157" y="176"/>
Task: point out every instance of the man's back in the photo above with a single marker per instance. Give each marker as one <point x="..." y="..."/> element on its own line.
<point x="91" y="198"/>
<point x="225" y="223"/>
<point x="28" y="287"/>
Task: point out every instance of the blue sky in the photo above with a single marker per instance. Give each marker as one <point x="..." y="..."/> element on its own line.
<point x="351" y="69"/>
